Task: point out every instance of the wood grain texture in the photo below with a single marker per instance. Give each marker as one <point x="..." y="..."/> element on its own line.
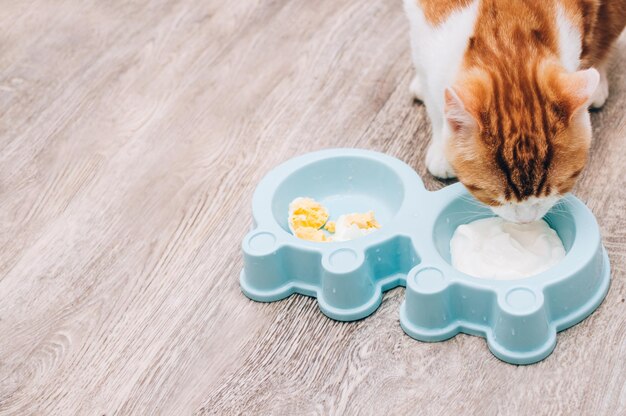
<point x="132" y="135"/>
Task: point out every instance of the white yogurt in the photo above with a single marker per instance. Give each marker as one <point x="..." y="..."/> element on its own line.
<point x="493" y="248"/>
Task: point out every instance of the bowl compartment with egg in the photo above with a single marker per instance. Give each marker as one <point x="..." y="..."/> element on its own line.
<point x="519" y="318"/>
<point x="348" y="277"/>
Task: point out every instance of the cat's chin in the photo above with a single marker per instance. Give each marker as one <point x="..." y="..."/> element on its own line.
<point x="530" y="210"/>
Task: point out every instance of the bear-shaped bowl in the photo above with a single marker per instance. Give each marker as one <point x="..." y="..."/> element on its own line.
<point x="519" y="318"/>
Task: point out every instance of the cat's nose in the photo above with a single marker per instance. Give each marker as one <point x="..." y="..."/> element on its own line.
<point x="527" y="213"/>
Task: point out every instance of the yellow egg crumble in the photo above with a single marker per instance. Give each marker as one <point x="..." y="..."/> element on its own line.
<point x="306" y="213"/>
<point x="308" y="219"/>
<point x="311" y="234"/>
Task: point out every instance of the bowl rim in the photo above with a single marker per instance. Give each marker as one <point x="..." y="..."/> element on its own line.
<point x="268" y="186"/>
<point x="585" y="246"/>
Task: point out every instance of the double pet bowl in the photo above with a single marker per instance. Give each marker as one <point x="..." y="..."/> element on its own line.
<point x="518" y="318"/>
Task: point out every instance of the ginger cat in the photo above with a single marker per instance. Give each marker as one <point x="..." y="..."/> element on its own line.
<point x="507" y="85"/>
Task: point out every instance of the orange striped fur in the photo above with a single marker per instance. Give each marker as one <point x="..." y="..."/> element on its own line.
<point x="518" y="117"/>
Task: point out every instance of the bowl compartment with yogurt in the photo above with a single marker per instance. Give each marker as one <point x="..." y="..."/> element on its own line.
<point x="518" y="317"/>
<point x="465" y="209"/>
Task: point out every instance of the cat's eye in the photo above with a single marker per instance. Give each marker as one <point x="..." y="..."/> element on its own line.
<point x="473" y="188"/>
<point x="481" y="194"/>
<point x="490" y="202"/>
<point x="567" y="185"/>
<point x="576" y="174"/>
<point x="486" y="200"/>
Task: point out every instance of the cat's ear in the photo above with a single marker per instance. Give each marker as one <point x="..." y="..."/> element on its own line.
<point x="578" y="87"/>
<point x="456" y="111"/>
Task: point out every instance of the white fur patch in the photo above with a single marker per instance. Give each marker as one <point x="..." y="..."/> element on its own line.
<point x="437" y="52"/>
<point x="570" y="41"/>
<point x="529" y="210"/>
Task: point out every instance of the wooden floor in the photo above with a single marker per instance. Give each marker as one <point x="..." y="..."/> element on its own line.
<point x="132" y="135"/>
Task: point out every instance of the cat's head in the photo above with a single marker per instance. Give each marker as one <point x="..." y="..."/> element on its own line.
<point x="519" y="146"/>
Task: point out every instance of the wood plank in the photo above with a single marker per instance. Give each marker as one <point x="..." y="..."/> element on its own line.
<point x="132" y="136"/>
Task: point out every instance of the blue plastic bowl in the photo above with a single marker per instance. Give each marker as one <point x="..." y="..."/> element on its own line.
<point x="519" y="318"/>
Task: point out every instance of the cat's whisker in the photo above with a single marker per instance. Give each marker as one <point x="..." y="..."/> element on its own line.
<point x="474" y="202"/>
